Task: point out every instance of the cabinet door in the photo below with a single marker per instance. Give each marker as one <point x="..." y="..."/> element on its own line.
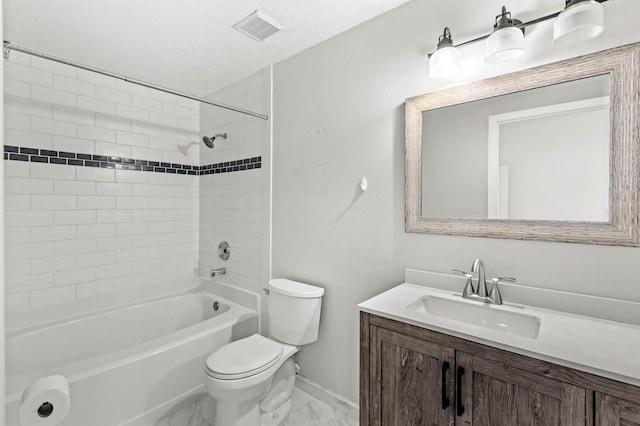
<point x="412" y="381"/>
<point x="612" y="411"/>
<point x="494" y="394"/>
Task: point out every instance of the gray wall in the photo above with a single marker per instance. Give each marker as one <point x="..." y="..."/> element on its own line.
<point x="338" y="116"/>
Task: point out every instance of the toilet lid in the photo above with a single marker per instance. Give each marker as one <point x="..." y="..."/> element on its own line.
<point x="243" y="358"/>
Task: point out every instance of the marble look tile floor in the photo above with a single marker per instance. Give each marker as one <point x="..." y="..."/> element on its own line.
<point x="306" y="410"/>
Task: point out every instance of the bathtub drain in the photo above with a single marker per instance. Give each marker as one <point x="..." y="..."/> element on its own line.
<point x="45" y="409"/>
<point x="216" y="306"/>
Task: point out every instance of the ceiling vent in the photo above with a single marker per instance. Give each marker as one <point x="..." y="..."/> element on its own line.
<point x="258" y="26"/>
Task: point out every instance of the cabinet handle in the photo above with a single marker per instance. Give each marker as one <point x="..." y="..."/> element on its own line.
<point x="445" y="400"/>
<point x="459" y="406"/>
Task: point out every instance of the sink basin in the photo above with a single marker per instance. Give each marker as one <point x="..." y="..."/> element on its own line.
<point x="488" y="316"/>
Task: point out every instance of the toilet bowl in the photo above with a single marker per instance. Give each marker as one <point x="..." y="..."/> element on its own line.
<point x="252" y="379"/>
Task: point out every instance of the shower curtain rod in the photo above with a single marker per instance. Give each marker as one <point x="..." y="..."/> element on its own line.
<point x="8" y="46"/>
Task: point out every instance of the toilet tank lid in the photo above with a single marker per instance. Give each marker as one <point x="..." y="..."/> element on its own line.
<point x="294" y="288"/>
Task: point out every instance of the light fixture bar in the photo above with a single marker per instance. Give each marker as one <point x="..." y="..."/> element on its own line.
<point x="522" y="25"/>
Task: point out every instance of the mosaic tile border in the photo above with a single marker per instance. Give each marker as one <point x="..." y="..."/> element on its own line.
<point x="19" y="153"/>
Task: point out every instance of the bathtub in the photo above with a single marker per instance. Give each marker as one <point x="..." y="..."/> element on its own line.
<point x="127" y="364"/>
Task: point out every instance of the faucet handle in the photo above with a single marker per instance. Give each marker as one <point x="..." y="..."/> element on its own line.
<point x="503" y="279"/>
<point x="468" y="288"/>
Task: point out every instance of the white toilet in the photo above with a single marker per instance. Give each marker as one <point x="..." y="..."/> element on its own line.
<point x="252" y="379"/>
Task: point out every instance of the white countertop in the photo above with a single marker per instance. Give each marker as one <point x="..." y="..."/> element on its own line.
<point x="606" y="348"/>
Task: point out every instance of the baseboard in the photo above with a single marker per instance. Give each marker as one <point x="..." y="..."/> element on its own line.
<point x="335" y="401"/>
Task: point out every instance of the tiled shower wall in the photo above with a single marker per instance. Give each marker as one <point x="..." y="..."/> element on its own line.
<point x="235" y="207"/>
<point x="100" y="186"/>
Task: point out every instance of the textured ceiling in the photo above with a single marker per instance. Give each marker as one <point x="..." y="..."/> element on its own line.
<point x="186" y="45"/>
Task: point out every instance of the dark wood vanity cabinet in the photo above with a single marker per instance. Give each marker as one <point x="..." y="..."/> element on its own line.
<point x="413" y="376"/>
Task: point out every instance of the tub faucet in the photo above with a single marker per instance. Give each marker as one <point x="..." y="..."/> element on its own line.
<point x="218" y="271"/>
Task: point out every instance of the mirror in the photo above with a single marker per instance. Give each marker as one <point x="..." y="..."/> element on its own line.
<point x="542" y="154"/>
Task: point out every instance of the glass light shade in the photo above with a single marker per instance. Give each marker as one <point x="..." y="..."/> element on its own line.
<point x="445" y="63"/>
<point x="579" y="22"/>
<point x="504" y="45"/>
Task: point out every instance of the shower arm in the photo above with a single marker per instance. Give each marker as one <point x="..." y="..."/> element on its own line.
<point x="8" y="46"/>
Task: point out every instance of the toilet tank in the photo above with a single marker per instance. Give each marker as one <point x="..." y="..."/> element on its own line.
<point x="294" y="311"/>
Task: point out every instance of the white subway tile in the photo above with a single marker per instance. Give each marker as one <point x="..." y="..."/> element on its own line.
<point x="123" y="229"/>
<point x="147" y="265"/>
<point x="28" y="250"/>
<point x="17" y="169"/>
<point x="176" y="111"/>
<point x="163" y="119"/>
<point x="27" y="139"/>
<point x="74" y="85"/>
<point x="53" y="127"/>
<point x="108" y="188"/>
<point x="96" y="133"/>
<point x="131" y="88"/>
<point x="96" y="231"/>
<point x="52" y="171"/>
<point x="27" y="74"/>
<point x="147" y="240"/>
<point x="74" y="276"/>
<point x="53" y="202"/>
<point x="146" y="103"/>
<point x="96" y="105"/>
<point x="17" y="267"/>
<point x="74" y="187"/>
<point x="114" y="216"/>
<point x="127" y="138"/>
<point x="145" y="190"/>
<point x="99" y="79"/>
<point x="137" y="203"/>
<point x="146" y="129"/>
<point x="17" y="235"/>
<point x="148" y="215"/>
<point x="163" y="251"/>
<point x="53" y="96"/>
<point x="131" y="176"/>
<point x="16" y="201"/>
<point x="17" y="88"/>
<point x="14" y="185"/>
<point x="28" y="107"/>
<point x="30" y="282"/>
<point x="51" y="295"/>
<point x="146" y="154"/>
<point x="74" y="246"/>
<point x="132" y="255"/>
<point x="53" y="233"/>
<point x="53" y="264"/>
<point x="73" y="115"/>
<point x="113" y="149"/>
<point x="132" y="112"/>
<point x="162" y="275"/>
<point x="95" y="288"/>
<point x="96" y="203"/>
<point x="17" y="121"/>
<point x="82" y="146"/>
<point x="164" y="97"/>
<point x="95" y="174"/>
<point x="112" y="95"/>
<point x="52" y="66"/>
<point x="114" y="243"/>
<point x="17" y="218"/>
<point x="96" y="259"/>
<point x="75" y="217"/>
<point x="126" y="282"/>
<point x="163" y="144"/>
<point x="112" y="122"/>
<point x="16" y="302"/>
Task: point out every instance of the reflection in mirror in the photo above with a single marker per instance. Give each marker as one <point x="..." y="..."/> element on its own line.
<point x="540" y="154"/>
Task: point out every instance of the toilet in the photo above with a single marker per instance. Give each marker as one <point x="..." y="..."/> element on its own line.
<point x="252" y="379"/>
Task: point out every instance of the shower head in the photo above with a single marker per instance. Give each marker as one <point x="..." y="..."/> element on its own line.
<point x="208" y="141"/>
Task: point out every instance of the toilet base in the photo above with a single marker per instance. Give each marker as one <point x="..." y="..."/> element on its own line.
<point x="277" y="416"/>
<point x="246" y="413"/>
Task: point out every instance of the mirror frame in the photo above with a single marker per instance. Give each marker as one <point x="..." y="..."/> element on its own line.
<point x="623" y="66"/>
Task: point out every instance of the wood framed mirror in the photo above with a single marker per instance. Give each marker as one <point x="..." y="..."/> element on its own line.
<point x="549" y="153"/>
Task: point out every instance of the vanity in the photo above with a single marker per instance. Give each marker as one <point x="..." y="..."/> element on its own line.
<point x="430" y="357"/>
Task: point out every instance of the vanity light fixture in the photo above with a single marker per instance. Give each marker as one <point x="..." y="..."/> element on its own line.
<point x="445" y="61"/>
<point x="580" y="20"/>
<point x="506" y="42"/>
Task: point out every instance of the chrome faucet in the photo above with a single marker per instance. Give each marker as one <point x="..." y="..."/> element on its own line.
<point x="479" y="293"/>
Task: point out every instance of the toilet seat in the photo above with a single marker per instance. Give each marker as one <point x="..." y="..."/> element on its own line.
<point x="243" y="358"/>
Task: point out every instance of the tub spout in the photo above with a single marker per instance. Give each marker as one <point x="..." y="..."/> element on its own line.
<point x="217" y="271"/>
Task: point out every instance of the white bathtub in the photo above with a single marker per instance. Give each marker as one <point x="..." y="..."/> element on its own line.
<point x="128" y="364"/>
